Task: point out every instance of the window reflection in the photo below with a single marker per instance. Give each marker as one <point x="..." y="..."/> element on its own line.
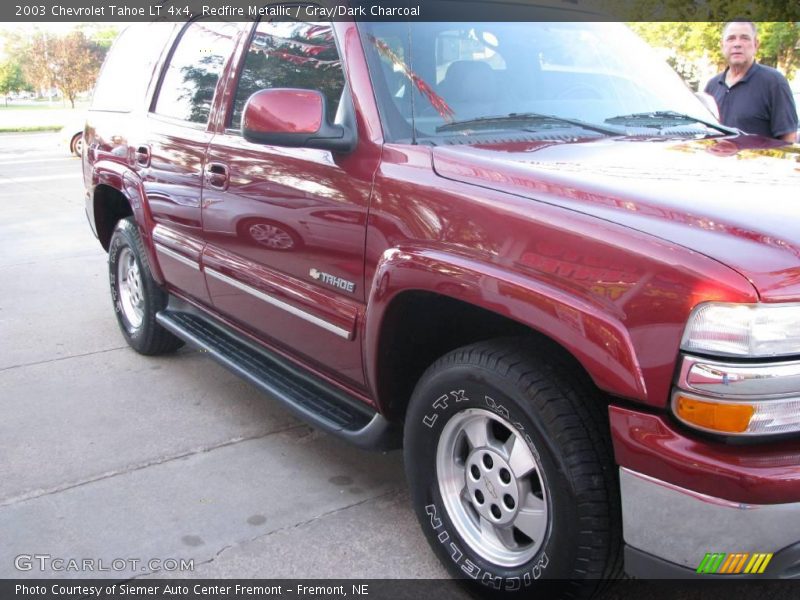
<point x="190" y="79"/>
<point x="290" y="55"/>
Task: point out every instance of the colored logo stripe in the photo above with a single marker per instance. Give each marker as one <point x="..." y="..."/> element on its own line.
<point x="734" y="564"/>
<point x="711" y="562"/>
<point x="758" y="563"/>
<point x="730" y="564"/>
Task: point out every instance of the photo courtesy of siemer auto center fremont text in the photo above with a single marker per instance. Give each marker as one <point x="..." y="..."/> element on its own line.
<point x="400" y="299"/>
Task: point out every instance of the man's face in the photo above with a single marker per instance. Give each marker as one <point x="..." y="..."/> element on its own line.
<point x="739" y="44"/>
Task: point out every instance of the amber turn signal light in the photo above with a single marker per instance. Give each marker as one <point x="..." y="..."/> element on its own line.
<point x="714" y="416"/>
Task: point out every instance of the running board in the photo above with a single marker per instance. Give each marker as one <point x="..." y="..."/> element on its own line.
<point x="311" y="399"/>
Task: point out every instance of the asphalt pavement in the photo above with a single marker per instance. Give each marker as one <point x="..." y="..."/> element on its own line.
<point x="106" y="454"/>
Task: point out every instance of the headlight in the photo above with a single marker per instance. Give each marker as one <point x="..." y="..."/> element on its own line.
<point x="751" y="330"/>
<point x="740" y="397"/>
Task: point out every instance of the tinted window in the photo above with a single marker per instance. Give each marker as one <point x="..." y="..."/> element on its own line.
<point x="127" y="69"/>
<point x="290" y="55"/>
<point x="188" y="84"/>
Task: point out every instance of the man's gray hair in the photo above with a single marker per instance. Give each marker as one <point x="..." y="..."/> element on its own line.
<point x="752" y="26"/>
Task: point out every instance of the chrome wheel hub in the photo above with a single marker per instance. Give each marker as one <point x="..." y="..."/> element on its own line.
<point x="131" y="290"/>
<point x="493" y="487"/>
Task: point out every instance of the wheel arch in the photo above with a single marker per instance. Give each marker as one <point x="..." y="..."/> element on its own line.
<point x="464" y="412"/>
<point x="117" y="193"/>
<point x="109" y="206"/>
<point x="420" y="301"/>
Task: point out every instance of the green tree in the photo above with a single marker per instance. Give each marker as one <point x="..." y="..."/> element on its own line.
<point x="695" y="42"/>
<point x="77" y="62"/>
<point x="704" y="11"/>
<point x="691" y="40"/>
<point x="11" y="79"/>
<point x="102" y="34"/>
<point x="780" y="45"/>
<point x="68" y="62"/>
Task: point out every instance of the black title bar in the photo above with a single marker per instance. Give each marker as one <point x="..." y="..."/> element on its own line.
<point x="711" y="588"/>
<point x="390" y="10"/>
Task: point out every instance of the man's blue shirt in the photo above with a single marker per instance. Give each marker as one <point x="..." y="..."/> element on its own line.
<point x="761" y="102"/>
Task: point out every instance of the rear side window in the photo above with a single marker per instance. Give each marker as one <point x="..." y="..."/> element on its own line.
<point x="190" y="78"/>
<point x="290" y="55"/>
<point x="128" y="67"/>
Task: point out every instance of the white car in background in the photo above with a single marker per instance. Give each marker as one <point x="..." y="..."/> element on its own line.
<point x="72" y="133"/>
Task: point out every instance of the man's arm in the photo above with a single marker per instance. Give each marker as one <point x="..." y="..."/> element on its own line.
<point x="784" y="113"/>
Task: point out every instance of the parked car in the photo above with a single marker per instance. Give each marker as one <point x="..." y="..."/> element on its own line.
<point x="72" y="133"/>
<point x="539" y="265"/>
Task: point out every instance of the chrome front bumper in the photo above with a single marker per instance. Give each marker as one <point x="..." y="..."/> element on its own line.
<point x="680" y="526"/>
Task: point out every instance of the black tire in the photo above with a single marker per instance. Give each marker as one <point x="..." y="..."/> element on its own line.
<point x="563" y="521"/>
<point x="136" y="311"/>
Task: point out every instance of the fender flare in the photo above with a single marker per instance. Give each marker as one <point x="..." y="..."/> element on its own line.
<point x="600" y="342"/>
<point x="127" y="182"/>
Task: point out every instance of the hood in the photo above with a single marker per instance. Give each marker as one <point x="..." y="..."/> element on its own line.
<point x="736" y="200"/>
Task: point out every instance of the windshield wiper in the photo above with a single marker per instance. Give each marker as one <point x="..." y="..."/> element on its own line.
<point x="660" y="119"/>
<point x="513" y="118"/>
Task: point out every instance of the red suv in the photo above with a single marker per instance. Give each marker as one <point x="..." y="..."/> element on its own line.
<point x="539" y="265"/>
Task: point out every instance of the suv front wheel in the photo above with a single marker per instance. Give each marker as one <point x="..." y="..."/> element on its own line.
<point x="135" y="294"/>
<point x="511" y="471"/>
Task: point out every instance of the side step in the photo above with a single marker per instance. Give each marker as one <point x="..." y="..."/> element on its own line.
<point x="309" y="398"/>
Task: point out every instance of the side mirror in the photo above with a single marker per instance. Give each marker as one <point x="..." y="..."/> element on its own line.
<point x="295" y="118"/>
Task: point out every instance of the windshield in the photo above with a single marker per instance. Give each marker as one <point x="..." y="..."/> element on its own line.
<point x="434" y="75"/>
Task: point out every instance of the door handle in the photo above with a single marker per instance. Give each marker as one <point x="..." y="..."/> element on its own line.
<point x="142" y="156"/>
<point x="217" y="175"/>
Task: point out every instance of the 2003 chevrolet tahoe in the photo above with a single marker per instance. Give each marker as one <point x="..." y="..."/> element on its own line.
<point x="523" y="250"/>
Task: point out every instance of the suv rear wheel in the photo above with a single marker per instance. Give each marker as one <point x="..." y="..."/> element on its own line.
<point x="135" y="294"/>
<point x="511" y="471"/>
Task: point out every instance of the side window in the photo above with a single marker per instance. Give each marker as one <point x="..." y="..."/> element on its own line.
<point x="128" y="67"/>
<point x="188" y="83"/>
<point x="290" y="55"/>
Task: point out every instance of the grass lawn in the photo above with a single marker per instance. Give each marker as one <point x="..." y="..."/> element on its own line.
<point x="13" y="106"/>
<point x="40" y="117"/>
<point x="57" y="105"/>
<point x="29" y="128"/>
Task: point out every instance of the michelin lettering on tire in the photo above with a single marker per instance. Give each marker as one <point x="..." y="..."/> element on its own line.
<point x="496" y="457"/>
<point x="474" y="571"/>
<point x="451" y="400"/>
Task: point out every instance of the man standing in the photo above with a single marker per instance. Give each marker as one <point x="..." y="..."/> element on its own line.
<point x="750" y="96"/>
